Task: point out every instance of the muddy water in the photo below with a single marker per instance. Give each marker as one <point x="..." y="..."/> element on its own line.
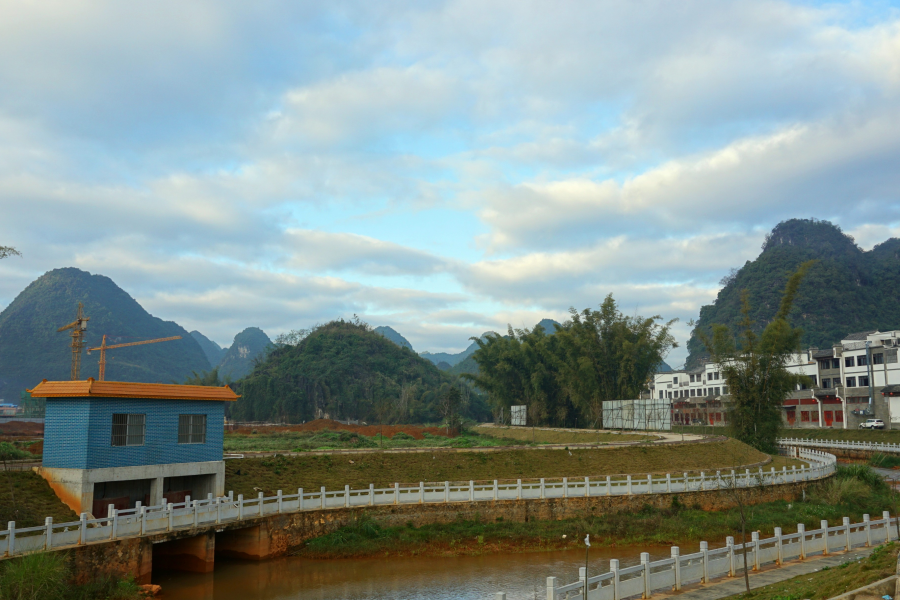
<point x="461" y="578"/>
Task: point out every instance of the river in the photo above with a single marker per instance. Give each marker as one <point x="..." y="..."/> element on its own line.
<point x="458" y="578"/>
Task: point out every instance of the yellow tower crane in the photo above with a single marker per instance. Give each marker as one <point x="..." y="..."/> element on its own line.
<point x="103" y="348"/>
<point x="78" y="326"/>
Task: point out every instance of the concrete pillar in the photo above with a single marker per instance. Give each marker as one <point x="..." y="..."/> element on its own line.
<point x="194" y="554"/>
<point x="251" y="543"/>
<point x="156" y="491"/>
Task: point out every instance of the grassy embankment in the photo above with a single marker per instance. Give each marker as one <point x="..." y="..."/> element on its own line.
<point x="27" y="499"/>
<point x="852" y="493"/>
<point x="334" y="472"/>
<point x="287" y="440"/>
<point x="45" y="576"/>
<point x="831" y="581"/>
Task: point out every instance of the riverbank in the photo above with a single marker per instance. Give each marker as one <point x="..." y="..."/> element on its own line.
<point x="252" y="475"/>
<point x="852" y="493"/>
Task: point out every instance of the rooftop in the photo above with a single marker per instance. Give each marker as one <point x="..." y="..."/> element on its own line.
<point x="858" y="337"/>
<point x="127" y="389"/>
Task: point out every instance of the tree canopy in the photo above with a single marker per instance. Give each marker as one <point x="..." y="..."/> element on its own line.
<point x="564" y="376"/>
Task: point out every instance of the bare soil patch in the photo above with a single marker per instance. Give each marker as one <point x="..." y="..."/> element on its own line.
<point x="416" y="431"/>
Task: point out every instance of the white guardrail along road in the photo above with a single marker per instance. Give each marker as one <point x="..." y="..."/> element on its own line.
<point x="845" y="445"/>
<point x="148" y="520"/>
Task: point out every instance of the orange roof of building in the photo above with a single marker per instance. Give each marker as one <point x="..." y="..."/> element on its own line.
<point x="128" y="389"/>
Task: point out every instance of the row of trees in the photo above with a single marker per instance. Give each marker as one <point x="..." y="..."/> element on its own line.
<point x="564" y="376"/>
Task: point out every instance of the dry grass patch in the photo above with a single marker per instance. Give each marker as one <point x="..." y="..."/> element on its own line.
<point x="546" y="436"/>
<point x="357" y="471"/>
<point x="26" y="498"/>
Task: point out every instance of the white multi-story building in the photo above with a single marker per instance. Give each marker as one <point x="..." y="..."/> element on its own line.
<point x="856" y="379"/>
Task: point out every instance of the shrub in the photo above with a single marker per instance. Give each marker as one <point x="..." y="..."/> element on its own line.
<point x="39" y="576"/>
<point x="841" y="490"/>
<point x="863" y="474"/>
<point x="400" y="435"/>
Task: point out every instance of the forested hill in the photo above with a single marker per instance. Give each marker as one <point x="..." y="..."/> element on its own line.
<point x="847" y="290"/>
<point x="31" y="349"/>
<point x="346" y="371"/>
<point x="239" y="359"/>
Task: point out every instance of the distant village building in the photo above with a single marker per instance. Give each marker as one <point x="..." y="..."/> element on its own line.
<point x="108" y="442"/>
<point x="852" y="381"/>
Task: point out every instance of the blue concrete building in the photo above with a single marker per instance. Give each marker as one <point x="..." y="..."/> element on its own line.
<point x="120" y="443"/>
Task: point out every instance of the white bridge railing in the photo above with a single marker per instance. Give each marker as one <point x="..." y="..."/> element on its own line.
<point x="149" y="520"/>
<point x="841" y="444"/>
<point x="669" y="574"/>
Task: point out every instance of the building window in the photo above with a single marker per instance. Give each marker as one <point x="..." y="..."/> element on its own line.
<point x="835" y="363"/>
<point x="724" y="389"/>
<point x="191" y="429"/>
<point x="863" y="381"/>
<point x="862" y="361"/>
<point x="804" y="416"/>
<point x="661" y="394"/>
<point x="878" y="359"/>
<point x="814" y="379"/>
<point x="851" y="382"/>
<point x="128" y="430"/>
<point x="839" y="416"/>
<point x="674" y="380"/>
<point x="848" y="361"/>
<point x="815" y="416"/>
<point x="826" y="383"/>
<point x="716" y="392"/>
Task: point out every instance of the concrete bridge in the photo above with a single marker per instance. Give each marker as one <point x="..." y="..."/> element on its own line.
<point x="188" y="535"/>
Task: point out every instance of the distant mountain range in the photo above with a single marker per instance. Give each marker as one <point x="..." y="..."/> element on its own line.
<point x="393" y="336"/>
<point x="32" y="350"/>
<point x="848" y="290"/>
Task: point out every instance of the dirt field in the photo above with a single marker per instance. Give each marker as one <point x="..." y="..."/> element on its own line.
<point x="22" y="428"/>
<point x="415" y="431"/>
<point x="310" y="472"/>
<point x="544" y="436"/>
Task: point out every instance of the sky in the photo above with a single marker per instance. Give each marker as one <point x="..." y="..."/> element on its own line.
<point x="443" y="168"/>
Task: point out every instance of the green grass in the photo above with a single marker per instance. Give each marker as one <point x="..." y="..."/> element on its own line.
<point x="671" y="526"/>
<point x="884" y="461"/>
<point x="833" y="581"/>
<point x="299" y="441"/>
<point x="45" y="576"/>
<point x="26" y="498"/>
<point x="288" y="473"/>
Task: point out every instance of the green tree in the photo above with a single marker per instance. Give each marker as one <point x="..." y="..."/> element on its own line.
<point x="754" y="367"/>
<point x="8" y="251"/>
<point x="209" y="378"/>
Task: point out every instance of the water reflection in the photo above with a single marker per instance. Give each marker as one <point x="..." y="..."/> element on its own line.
<point x="457" y="578"/>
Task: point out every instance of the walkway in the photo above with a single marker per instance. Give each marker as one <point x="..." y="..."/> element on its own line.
<point x="729" y="586"/>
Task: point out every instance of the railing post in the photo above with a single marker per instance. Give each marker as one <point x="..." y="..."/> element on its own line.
<point x="495" y="489"/>
<point x="582" y="577"/>
<point x="676" y="556"/>
<point x="702" y="480"/>
<point x="219" y="510"/>
<point x="240" y="507"/>
<point x="518" y="489"/>
<point x="346" y="496"/>
<point x="704" y="550"/>
<point x="471" y="491"/>
<point x="48" y="534"/>
<point x="801" y="529"/>
<point x="628" y="489"/>
<point x="668" y="482"/>
<point x="729" y="543"/>
<point x="11" y="538"/>
<point x="259" y="503"/>
<point x="396" y="493"/>
<point x="421" y="492"/>
<point x="793" y="473"/>
<point x="686" y="482"/>
<point x="823" y="524"/>
<point x="587" y="487"/>
<point x="718" y="479"/>
<point x="543" y="489"/>
<point x="280" y="501"/>
<point x="565" y="487"/>
<point x="551" y="588"/>
<point x="446" y="491"/>
<point x="299" y="499"/>
<point x="645" y="562"/>
<point x="848" y="543"/>
<point x="784" y="474"/>
<point x="779" y="547"/>
<point x="371" y="494"/>
<point x="887" y="525"/>
<point x="754" y="539"/>
<point x="196" y="512"/>
<point x="170" y="508"/>
<point x="143" y="517"/>
<point x="82" y="528"/>
<point x="608" y="485"/>
<point x="614" y="567"/>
